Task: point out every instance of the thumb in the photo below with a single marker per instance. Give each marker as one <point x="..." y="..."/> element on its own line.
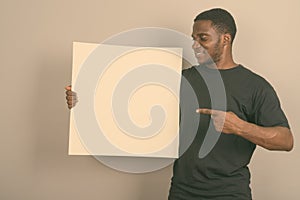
<point x="69" y="87"/>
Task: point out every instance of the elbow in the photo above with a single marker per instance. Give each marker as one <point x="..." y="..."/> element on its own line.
<point x="289" y="141"/>
<point x="289" y="148"/>
<point x="290" y="144"/>
<point x="286" y="145"/>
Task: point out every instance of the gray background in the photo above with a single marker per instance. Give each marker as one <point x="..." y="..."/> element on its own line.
<point x="36" y="59"/>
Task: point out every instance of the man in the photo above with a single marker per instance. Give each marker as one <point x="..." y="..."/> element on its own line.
<point x="253" y="116"/>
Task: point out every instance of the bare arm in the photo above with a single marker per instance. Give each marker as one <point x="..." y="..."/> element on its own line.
<point x="271" y="138"/>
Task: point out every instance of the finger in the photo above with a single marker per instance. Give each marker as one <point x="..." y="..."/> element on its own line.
<point x="69" y="87"/>
<point x="204" y="111"/>
<point x="69" y="102"/>
<point x="71" y="98"/>
<point x="72" y="102"/>
<point x="70" y="93"/>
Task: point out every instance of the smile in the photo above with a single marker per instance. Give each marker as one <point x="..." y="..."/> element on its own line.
<point x="199" y="54"/>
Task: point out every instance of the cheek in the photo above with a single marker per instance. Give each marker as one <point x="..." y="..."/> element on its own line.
<point x="204" y="45"/>
<point x="210" y="51"/>
<point x="208" y="46"/>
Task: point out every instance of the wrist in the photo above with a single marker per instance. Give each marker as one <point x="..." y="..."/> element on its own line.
<point x="242" y="127"/>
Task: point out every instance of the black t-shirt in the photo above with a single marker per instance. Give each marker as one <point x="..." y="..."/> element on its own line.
<point x="223" y="173"/>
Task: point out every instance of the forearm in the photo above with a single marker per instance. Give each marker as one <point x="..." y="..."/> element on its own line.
<point x="271" y="138"/>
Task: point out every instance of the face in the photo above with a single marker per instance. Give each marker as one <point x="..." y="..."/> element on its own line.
<point x="207" y="43"/>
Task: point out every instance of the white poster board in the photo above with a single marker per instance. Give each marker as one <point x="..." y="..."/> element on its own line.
<point x="130" y="117"/>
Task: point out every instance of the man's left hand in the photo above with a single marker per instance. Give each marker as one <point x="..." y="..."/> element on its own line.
<point x="226" y="122"/>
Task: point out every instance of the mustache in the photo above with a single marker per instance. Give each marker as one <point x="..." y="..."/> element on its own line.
<point x="199" y="50"/>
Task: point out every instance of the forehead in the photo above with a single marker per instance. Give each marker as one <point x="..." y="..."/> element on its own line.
<point x="203" y="26"/>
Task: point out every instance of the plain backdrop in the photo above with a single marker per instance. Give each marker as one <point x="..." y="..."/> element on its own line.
<point x="36" y="59"/>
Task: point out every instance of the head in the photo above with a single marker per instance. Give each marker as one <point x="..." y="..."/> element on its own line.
<point x="213" y="34"/>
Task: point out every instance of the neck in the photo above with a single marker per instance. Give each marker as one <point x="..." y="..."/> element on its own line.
<point x="222" y="64"/>
<point x="226" y="60"/>
<point x="226" y="64"/>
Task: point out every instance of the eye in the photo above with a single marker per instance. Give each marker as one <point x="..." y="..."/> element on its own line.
<point x="203" y="38"/>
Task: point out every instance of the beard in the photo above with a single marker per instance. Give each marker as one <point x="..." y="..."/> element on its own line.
<point x="215" y="55"/>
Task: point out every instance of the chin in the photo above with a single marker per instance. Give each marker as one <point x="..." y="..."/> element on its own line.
<point x="201" y="61"/>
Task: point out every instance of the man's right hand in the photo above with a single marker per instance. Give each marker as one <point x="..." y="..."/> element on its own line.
<point x="71" y="97"/>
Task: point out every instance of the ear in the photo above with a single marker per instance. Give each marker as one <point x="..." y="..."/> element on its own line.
<point x="226" y="39"/>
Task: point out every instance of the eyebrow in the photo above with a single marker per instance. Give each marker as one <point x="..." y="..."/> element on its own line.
<point x="200" y="34"/>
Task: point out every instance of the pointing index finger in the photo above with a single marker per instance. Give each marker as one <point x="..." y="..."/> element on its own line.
<point x="204" y="111"/>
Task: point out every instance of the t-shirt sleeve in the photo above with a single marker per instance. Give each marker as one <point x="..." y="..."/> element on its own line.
<point x="267" y="108"/>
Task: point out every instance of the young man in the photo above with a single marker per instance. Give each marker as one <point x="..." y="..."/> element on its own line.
<point x="253" y="116"/>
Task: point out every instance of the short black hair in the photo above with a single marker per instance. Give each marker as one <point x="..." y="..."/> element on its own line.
<point x="221" y="20"/>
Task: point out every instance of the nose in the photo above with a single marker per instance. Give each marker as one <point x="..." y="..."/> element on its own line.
<point x="196" y="44"/>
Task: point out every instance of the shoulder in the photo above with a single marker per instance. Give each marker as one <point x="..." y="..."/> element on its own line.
<point x="255" y="79"/>
<point x="187" y="73"/>
<point x="188" y="70"/>
<point x="261" y="89"/>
